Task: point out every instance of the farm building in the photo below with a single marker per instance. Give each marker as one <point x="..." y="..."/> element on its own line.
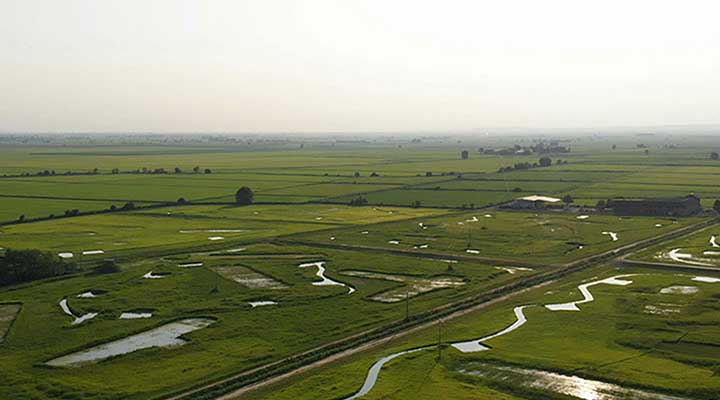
<point x="533" y="202"/>
<point x="677" y="206"/>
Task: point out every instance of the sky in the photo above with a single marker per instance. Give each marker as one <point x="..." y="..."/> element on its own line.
<point x="355" y="66"/>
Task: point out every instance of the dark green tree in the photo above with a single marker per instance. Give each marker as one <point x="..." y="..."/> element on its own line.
<point x="244" y="196"/>
<point x="545" y="161"/>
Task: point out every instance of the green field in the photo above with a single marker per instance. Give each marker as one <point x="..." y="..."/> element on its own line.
<point x="300" y="274"/>
<point x="625" y="336"/>
<point x="533" y="238"/>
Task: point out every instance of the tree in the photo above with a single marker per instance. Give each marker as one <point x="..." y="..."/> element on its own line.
<point x="600" y="204"/>
<point x="181" y="200"/>
<point x="21" y="218"/>
<point x="714" y="155"/>
<point x="244" y="196"/>
<point x="647" y="151"/>
<point x="545" y="161"/>
<point x="357" y="174"/>
<point x="358" y="201"/>
<point x="208" y="171"/>
<point x="716" y="206"/>
<point x="614" y="146"/>
<point x="464" y="155"/>
<point x="428" y="173"/>
<point x="107" y="267"/>
<point x="567" y="199"/>
<point x="196" y="169"/>
<point x="178" y="170"/>
<point x="18" y="266"/>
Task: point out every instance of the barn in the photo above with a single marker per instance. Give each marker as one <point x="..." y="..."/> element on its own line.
<point x="668" y="207"/>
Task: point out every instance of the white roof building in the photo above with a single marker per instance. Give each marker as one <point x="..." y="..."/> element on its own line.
<point x="544" y="199"/>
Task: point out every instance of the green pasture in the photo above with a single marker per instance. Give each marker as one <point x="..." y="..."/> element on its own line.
<point x="433" y="198"/>
<point x="306" y="316"/>
<point x="11" y="208"/>
<point x="619" y="338"/>
<point x="123" y="233"/>
<point x="530" y="237"/>
<point x="698" y="247"/>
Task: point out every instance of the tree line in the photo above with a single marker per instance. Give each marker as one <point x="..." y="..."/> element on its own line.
<point x="18" y="266"/>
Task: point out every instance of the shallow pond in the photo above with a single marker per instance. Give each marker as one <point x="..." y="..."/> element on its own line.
<point x="164" y="336"/>
<point x="568" y="385"/>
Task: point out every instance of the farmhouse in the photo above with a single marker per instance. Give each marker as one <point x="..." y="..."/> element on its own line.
<point x="676" y="207"/>
<point x="533" y="202"/>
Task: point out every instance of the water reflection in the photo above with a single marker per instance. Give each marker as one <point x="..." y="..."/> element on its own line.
<point x="574" y="386"/>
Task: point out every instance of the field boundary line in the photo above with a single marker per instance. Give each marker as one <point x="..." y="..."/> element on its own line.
<point x="274" y="372"/>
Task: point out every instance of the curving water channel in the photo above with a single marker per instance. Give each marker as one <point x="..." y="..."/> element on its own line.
<point x="477" y="344"/>
<point x="78" y="320"/>
<point x="325" y="280"/>
<point x="569" y="385"/>
<point x="587" y="296"/>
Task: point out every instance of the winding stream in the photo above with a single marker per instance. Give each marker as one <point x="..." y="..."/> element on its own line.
<point x="78" y="320"/>
<point x="477" y="344"/>
<point x="325" y="280"/>
<point x="587" y="296"/>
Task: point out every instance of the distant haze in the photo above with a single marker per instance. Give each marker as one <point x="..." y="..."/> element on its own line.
<point x="365" y="65"/>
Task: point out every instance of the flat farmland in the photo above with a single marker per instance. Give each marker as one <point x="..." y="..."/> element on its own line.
<point x="217" y="287"/>
<point x="701" y="249"/>
<point x="635" y="335"/>
<point x="179" y="227"/>
<point x="434" y="198"/>
<point x="11" y="208"/>
<point x="518" y="236"/>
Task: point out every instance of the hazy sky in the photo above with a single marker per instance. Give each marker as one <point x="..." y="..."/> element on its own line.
<point x="344" y="65"/>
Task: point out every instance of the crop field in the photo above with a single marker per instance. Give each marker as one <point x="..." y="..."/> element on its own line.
<point x="701" y="249"/>
<point x="514" y="236"/>
<point x="639" y="335"/>
<point x="205" y="285"/>
<point x="180" y="227"/>
<point x="354" y="249"/>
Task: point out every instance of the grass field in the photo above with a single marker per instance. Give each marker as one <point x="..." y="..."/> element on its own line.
<point x="305" y="316"/>
<point x="701" y="249"/>
<point x="363" y="268"/>
<point x="534" y="238"/>
<point x="633" y="335"/>
<point x="180" y="227"/>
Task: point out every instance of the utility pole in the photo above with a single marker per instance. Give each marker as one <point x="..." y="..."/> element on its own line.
<point x="439" y="340"/>
<point x="407" y="305"/>
<point x="469" y="244"/>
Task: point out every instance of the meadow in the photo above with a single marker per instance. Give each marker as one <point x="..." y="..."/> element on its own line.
<point x="529" y="237"/>
<point x="638" y="335"/>
<point x="301" y="273"/>
<point x="305" y="316"/>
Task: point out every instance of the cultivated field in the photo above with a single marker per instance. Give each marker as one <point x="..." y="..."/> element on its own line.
<point x="174" y="289"/>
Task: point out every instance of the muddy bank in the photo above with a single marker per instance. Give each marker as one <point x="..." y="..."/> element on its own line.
<point x="413" y="285"/>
